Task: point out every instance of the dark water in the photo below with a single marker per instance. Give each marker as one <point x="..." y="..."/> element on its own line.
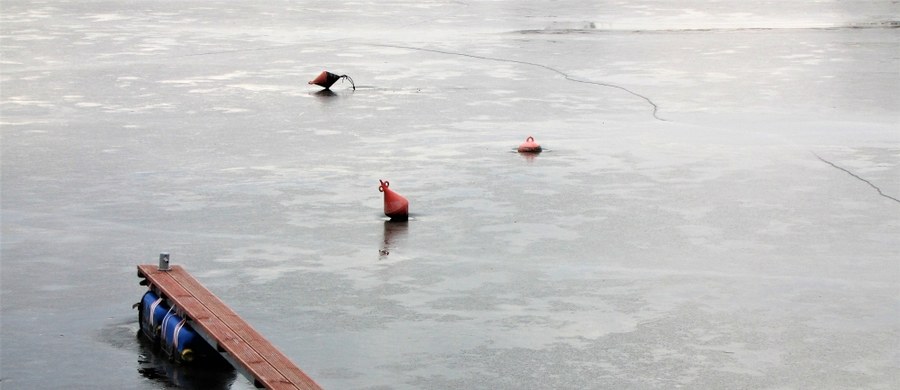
<point x="154" y="365"/>
<point x="716" y="207"/>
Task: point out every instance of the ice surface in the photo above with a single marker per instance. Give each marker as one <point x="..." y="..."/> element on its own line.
<point x="742" y="235"/>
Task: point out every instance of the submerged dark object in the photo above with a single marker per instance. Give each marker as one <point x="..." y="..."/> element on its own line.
<point x="395" y="205"/>
<point x="529" y="146"/>
<point x="326" y="79"/>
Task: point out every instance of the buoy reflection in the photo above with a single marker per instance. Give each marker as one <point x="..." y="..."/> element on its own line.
<point x="529" y="157"/>
<point x="325" y="94"/>
<point x="393" y="232"/>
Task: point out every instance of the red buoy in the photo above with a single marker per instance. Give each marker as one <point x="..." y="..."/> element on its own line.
<point x="326" y="79"/>
<point x="395" y="205"/>
<point x="529" y="146"/>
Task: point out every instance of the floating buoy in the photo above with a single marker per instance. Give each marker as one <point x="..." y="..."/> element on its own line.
<point x="395" y="205"/>
<point x="326" y="79"/>
<point x="529" y="146"/>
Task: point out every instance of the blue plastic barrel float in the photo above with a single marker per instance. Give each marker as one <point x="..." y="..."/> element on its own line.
<point x="172" y="332"/>
<point x="178" y="339"/>
<point x="151" y="314"/>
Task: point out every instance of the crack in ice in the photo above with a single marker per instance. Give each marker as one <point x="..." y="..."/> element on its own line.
<point x="552" y="69"/>
<point x="859" y="178"/>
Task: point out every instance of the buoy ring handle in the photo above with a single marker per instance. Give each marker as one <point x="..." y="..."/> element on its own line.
<point x="529" y="139"/>
<point x="384" y="184"/>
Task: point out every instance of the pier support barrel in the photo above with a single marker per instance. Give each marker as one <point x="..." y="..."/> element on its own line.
<point x="247" y="350"/>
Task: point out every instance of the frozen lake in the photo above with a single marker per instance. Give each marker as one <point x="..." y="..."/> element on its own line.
<point x="716" y="207"/>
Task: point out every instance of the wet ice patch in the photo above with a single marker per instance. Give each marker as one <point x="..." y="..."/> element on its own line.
<point x="507" y="73"/>
<point x="157" y="44"/>
<point x="564" y="27"/>
<point x="37" y="13"/>
<point x="188" y="82"/>
<point x="520" y="236"/>
<point x="326" y="132"/>
<point x="260" y="87"/>
<point x="57" y="287"/>
<point x="581" y="25"/>
<point x="230" y="110"/>
<point x="27" y="101"/>
<point x="6" y="122"/>
<point x="31" y="37"/>
<point x="228" y="76"/>
<point x="265" y="263"/>
<point x="399" y="75"/>
<point x="717" y="76"/>
<point x="99" y="18"/>
<point x="261" y="275"/>
<point x="196" y="81"/>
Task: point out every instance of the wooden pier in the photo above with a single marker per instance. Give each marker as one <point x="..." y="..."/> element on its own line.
<point x="240" y="344"/>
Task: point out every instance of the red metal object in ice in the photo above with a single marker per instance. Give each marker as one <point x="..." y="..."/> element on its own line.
<point x="326" y="79"/>
<point x="395" y="205"/>
<point x="529" y="146"/>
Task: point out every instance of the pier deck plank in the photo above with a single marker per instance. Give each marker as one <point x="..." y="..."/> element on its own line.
<point x="246" y="347"/>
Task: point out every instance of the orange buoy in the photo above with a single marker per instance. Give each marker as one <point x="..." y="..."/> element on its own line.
<point x="326" y="79"/>
<point x="395" y="205"/>
<point x="529" y="146"/>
